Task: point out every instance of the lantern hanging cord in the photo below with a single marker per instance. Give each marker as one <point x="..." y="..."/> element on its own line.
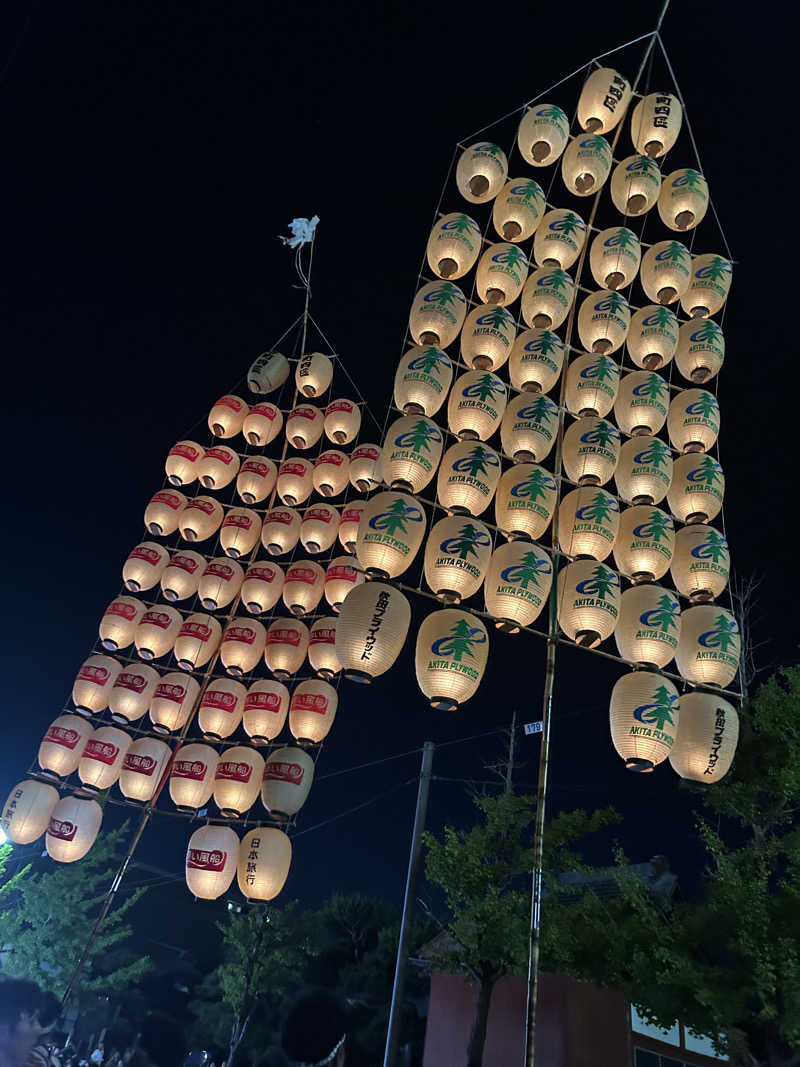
<point x="362" y="402"/>
<point x="358" y="807"/>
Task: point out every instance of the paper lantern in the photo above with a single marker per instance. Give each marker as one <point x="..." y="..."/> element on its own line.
<point x="487" y="336"/>
<point x="142" y="768"/>
<point x="211" y="860"/>
<point x="265" y="856"/>
<point x="641" y="405"/>
<point x="604" y="98"/>
<point x="201" y="518"/>
<point x="591" y="385"/>
<point x="708" y="286"/>
<point x="303" y="587"/>
<point x="656" y="123"/>
<point x="693" y="421"/>
<point x="501" y="273"/>
<point x="529" y="428"/>
<point x="614" y="257"/>
<point x="237" y="780"/>
<point x="286" y="647"/>
<point x="268" y="372"/>
<point x="239" y="532"/>
<point x="191" y="777"/>
<point x="547" y="298"/>
<point x="468" y="478"/>
<point x="411" y="453"/>
<point x="525" y="501"/>
<point x="220" y="581"/>
<point x="697" y="490"/>
<point x="173" y="701"/>
<point x="266" y="706"/>
<point x="517" y="584"/>
<point x="73" y="829"/>
<point x="144" y="565"/>
<point x="93" y="684"/>
<point x="340" y="577"/>
<point x="588" y="602"/>
<point x="101" y="760"/>
<point x="342" y="421"/>
<point x="456" y="557"/>
<point x="288" y="775"/>
<point x="132" y="691"/>
<point x="312" y="711"/>
<point x="314" y="374"/>
<point x="683" y="200"/>
<point x="262" y="586"/>
<point x="304" y="425"/>
<point x="26" y="813"/>
<point x="644" y="719"/>
<point x="558" y="240"/>
<point x="649" y="625"/>
<point x="536" y="361"/>
<point x="263" y="423"/>
<point x="280" y="531"/>
<point x="319" y="528"/>
<point x="701" y="350"/>
<point x="197" y="641"/>
<point x="63" y="745"/>
<point x="227" y="416"/>
<point x="645" y="543"/>
<point x="331" y="472"/>
<point x="701" y="563"/>
<point x="256" y="480"/>
<point x="371" y="630"/>
<point x="348" y="525"/>
<point x="476" y="405"/>
<point x="588" y="520"/>
<point x="423" y="378"/>
<point x="181" y="577"/>
<point x="221" y="708"/>
<point x="242" y="646"/>
<point x="364" y="469"/>
<point x="119" y="622"/>
<point x="586" y="164"/>
<point x="161" y="514"/>
<point x="518" y="209"/>
<point x="322" y="648"/>
<point x="295" y="480"/>
<point x="452" y="650"/>
<point x="603" y="321"/>
<point x="181" y="462"/>
<point x="590" y="451"/>
<point x="665" y="271"/>
<point x="454" y="245"/>
<point x="218" y="467"/>
<point x="635" y="185"/>
<point x="481" y="172"/>
<point x="652" y="337"/>
<point x="707" y="738"/>
<point x="156" y="632"/>
<point x="437" y="314"/>
<point x="644" y="471"/>
<point x="543" y="135"/>
<point x="709" y="647"/>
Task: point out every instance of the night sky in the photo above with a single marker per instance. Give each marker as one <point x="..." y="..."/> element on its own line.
<point x="152" y="154"/>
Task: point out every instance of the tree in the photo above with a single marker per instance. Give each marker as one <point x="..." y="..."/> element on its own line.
<point x="664" y="616"/>
<point x="467" y="542"/>
<point x="460" y="641"/>
<point x="396" y="516"/>
<point x="534" y="485"/>
<point x="602" y="582"/>
<point x="658" y="453"/>
<point x="600" y="508"/>
<point x="658" y="526"/>
<point x="541" y="410"/>
<point x="431" y="361"/>
<point x="706" y="405"/>
<point x="475" y="462"/>
<point x="605" y="368"/>
<point x="527" y="570"/>
<point x="485" y="388"/>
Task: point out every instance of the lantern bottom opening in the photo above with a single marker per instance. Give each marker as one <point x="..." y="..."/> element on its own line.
<point x="483" y="363"/>
<point x="209" y="603"/>
<point x="259" y="739"/>
<point x="467" y="435"/>
<point x="615" y="279"/>
<point x="642" y="498"/>
<point x="132" y="585"/>
<point x="350" y="546"/>
<point x="358" y="676"/>
<point x="376" y="572"/>
<point x="208" y="481"/>
<point x="281" y="675"/>
<point x="308" y="390"/>
<point x="187" y="664"/>
<point x="700" y="375"/>
<point x="516" y="535"/>
<point x="531" y="387"/>
<point x="145" y="653"/>
<point x="638" y="765"/>
<point x="336" y="605"/>
<point x="642" y="431"/>
<point x="601" y="345"/>
<point x="87" y="789"/>
<point x="696" y="516"/>
<point x="587" y="638"/>
<point x="584" y="412"/>
<point x="589" y="479"/>
<point x="541" y="151"/>
<point x="693" y="446"/>
<point x="701" y="596"/>
<point x="123" y="720"/>
<point x="653" y="149"/>
<point x="667" y="294"/>
<point x="507" y="626"/>
<point x="109" y="644"/>
<point x="154" y="528"/>
<point x="189" y="534"/>
<point x="254" y="608"/>
<point x="458" y="509"/>
<point x="159" y="728"/>
<point x="233" y="670"/>
<point x="699" y="311"/>
<point x="543" y="321"/>
<point x="642" y="577"/>
<point x="593" y="124"/>
<point x="297" y="610"/>
<point x="511" y="230"/>
<point x="401" y="485"/>
<point x="636" y="204"/>
<point x="412" y="409"/>
<point x="278" y="816"/>
<point x="584" y="183"/>
<point x="298" y="440"/>
<point x="248" y="498"/>
<point x="274" y="548"/>
<point x="479" y="185"/>
<point x="363" y="485"/>
<point x="495" y="296"/>
<point x="524" y="455"/>
<point x="171" y="595"/>
<point x="233" y="553"/>
<point x="428" y="337"/>
<point x="210" y="735"/>
<point x="45" y="772"/>
<point x="312" y="546"/>
<point x="444" y="703"/>
<point x="652" y="361"/>
<point x="254" y="438"/>
<point x="684" y="220"/>
<point x="340" y="437"/>
<point x="84" y="711"/>
<point x="230" y="813"/>
<point x="447" y="267"/>
<point x="174" y="479"/>
<point x="448" y="596"/>
<point x="288" y="499"/>
<point x="325" y="673"/>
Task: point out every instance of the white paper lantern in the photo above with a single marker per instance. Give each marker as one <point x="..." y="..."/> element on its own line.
<point x="468" y="478"/>
<point x="641" y="405"/>
<point x="155" y="635"/>
<point x="73" y="829"/>
<point x="525" y="500"/>
<point x="481" y="171"/>
<point x="101" y="760"/>
<point x="451" y="655"/>
<point x="237" y="780"/>
<point x="697" y="490"/>
<point x="644" y="719"/>
<point x="263" y="423"/>
<point x="220" y="582"/>
<point x="93" y="684"/>
<point x="295" y="480"/>
<point x="119" y="622"/>
<point x="518" y="209"/>
<point x="218" y="467"/>
<point x="653" y="337"/>
<point x="604" y="99"/>
<point x="161" y="514"/>
<point x="536" y="361"/>
<point x="559" y="239"/>
<point x="456" y="557"/>
<point x="314" y="374"/>
<point x="707" y="738"/>
<point x="331" y="472"/>
<point x="27" y="812"/>
<point x="340" y="577"/>
<point x="635" y="185"/>
<point x="649" y="625"/>
<point x="437" y="314"/>
<point x="173" y="701"/>
<point x="256" y="480"/>
<point x="645" y="543"/>
<point x="501" y="273"/>
<point x="529" y="427"/>
<point x="304" y="425"/>
<point x="144" y="565"/>
<point x="590" y="451"/>
<point x="200" y="519"/>
<point x="701" y="350"/>
<point x="322" y="648"/>
<point x="191" y="776"/>
<point x="181" y="462"/>
<point x="586" y="164"/>
<point x="142" y="768"/>
<point x="411" y="453"/>
<point x="656" y="123"/>
<point x="588" y="602"/>
<point x="286" y="647"/>
<point x="303" y="587"/>
<point x="133" y="689"/>
<point x="547" y="298"/>
<point x="543" y="135"/>
<point x="476" y="405"/>
<point x="603" y="321"/>
<point x="517" y="584"/>
<point x="342" y="421"/>
<point x="708" y="286"/>
<point x="592" y="385"/>
<point x="265" y="856"/>
<point x="221" y="708"/>
<point x="710" y="646"/>
<point x="454" y="245"/>
<point x="348" y="526"/>
<point x="486" y="337"/>
<point x="268" y="372"/>
<point x="280" y="531"/>
<point x="693" y="420"/>
<point x="665" y="271"/>
<point x="319" y="527"/>
<point x="262" y="586"/>
<point x="197" y="641"/>
<point x="588" y="520"/>
<point x="371" y="630"/>
<point x="422" y="380"/>
<point x="181" y="577"/>
<point x="63" y="745"/>
<point x="364" y="470"/>
<point x="242" y="646"/>
<point x="227" y="415"/>
<point x="683" y="200"/>
<point x="211" y="861"/>
<point x="312" y="710"/>
<point x="266" y="706"/>
<point x="644" y="471"/>
<point x="239" y="533"/>
<point x="701" y="565"/>
<point x="288" y="775"/>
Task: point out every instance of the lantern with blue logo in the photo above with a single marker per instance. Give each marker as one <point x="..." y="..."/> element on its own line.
<point x="487" y="336"/>
<point x="586" y="164"/>
<point x="693" y="421"/>
<point x="525" y="500"/>
<point x="652" y="337"/>
<point x="536" y="361"/>
<point x="559" y="239"/>
<point x="635" y="185"/>
<point x="518" y="210"/>
<point x="390" y="533"/>
<point x="476" y="405"/>
<point x="437" y="314"/>
<point x="588" y="601"/>
<point x="710" y="646"/>
<point x="588" y="520"/>
<point x="649" y="625"/>
<point x="708" y="287"/>
<point x="468" y="477"/>
<point x="412" y="449"/>
<point x="644" y="471"/>
<point x="644" y="718"/>
<point x="645" y="543"/>
<point x="701" y="564"/>
<point x="614" y="257"/>
<point x="529" y="427"/>
<point x="451" y="654"/>
<point x="517" y="584"/>
<point x="642" y="403"/>
<point x="590" y="451"/>
<point x="543" y="134"/>
<point x="591" y="385"/>
<point x="422" y="380"/>
<point x="697" y="490"/>
<point x="683" y="200"/>
<point x="603" y="321"/>
<point x="454" y="245"/>
<point x="456" y="556"/>
<point x="481" y="172"/>
<point x="501" y="273"/>
<point x="701" y="350"/>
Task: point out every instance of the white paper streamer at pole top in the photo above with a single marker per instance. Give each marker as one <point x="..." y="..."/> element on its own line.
<point x="302" y="232"/>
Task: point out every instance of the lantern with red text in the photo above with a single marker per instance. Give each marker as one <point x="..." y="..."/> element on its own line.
<point x="421" y="382"/>
<point x="268" y="372"/>
<point x="288" y="775"/>
<point x="701" y="563"/>
<point x="437" y="314"/>
<point x="200" y="519"/>
<point x="649" y="625"/>
<point x="331" y="472"/>
<point x="286" y="647"/>
<point x="371" y="630"/>
<point x="218" y="467"/>
<point x="242" y="646"/>
<point x="604" y="99"/>
<point x="645" y="543"/>
<point x="322" y="648"/>
<point x="411" y="453"/>
<point x="588" y="602"/>
<point x="304" y="426"/>
<point x="93" y="684"/>
<point x="227" y="416"/>
<point x="591" y="451"/>
<point x="265" y="856"/>
<point x="709" y="647"/>
<point x="314" y="374"/>
<point x="280" y="531"/>
<point x="256" y="480"/>
<point x="319" y="527"/>
<point x="529" y="427"/>
<point x="468" y="478"/>
<point x="701" y="350"/>
<point x="237" y="780"/>
<point x="697" y="490"/>
<point x="487" y="337"/>
<point x="517" y="584"/>
<point x="644" y="471"/>
<point x="340" y="577"/>
<point x="641" y="405"/>
<point x="101" y="760"/>
<point x="536" y="361"/>
<point x="707" y="738"/>
<point x="262" y="586"/>
<point x="525" y="501"/>
<point x="173" y="700"/>
<point x="156" y="633"/>
<point x="312" y="711"/>
<point x="266" y="706"/>
<point x="652" y="337"/>
<point x="481" y="170"/>
<point x="221" y="708"/>
<point x="132" y="692"/>
<point x="348" y="526"/>
<point x="144" y="565"/>
<point x="263" y="423"/>
<point x="342" y="421"/>
<point x="451" y="655"/>
<point x="63" y="745"/>
<point x="239" y="532"/>
<point x="142" y="768"/>
<point x="219" y="583"/>
<point x="635" y="185"/>
<point x="543" y="134"/>
<point x="181" y="463"/>
<point x="518" y="209"/>
<point x="456" y="557"/>
<point x="364" y="469"/>
<point x="197" y="641"/>
<point x="181" y="577"/>
<point x="27" y="812"/>
<point x="295" y="480"/>
<point x="665" y="272"/>
<point x="558" y="240"/>
<point x="73" y="828"/>
<point x="693" y="420"/>
<point x="453" y="245"/>
<point x="211" y="860"/>
<point x="644" y="718"/>
<point x="586" y="164"/>
<point x="161" y="514"/>
<point x="588" y="520"/>
<point x="303" y="587"/>
<point x="119" y="622"/>
<point x="191" y="777"/>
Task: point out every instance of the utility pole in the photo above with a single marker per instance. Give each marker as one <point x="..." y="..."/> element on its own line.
<point x="395" y="1012"/>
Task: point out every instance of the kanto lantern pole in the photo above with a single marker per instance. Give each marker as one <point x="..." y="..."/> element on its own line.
<point x="398" y="989"/>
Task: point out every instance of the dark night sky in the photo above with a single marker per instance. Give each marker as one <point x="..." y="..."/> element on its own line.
<point x="152" y="154"/>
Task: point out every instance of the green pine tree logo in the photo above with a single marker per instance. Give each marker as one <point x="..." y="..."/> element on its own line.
<point x="546" y="343"/>
<point x="540" y="410"/>
<point x="660" y="711"/>
<point x="726" y="632"/>
<point x="662" y="317"/>
<point x="654" y="387"/>
<point x="605" y="369"/>
<point x="664" y="616"/>
<point x="534" y="486"/>
<point x="717" y="269"/>
<point x="467" y="543"/>
<point x="477" y="461"/>
<point x="446" y="294"/>
<point x="658" y="453"/>
<point x="458" y="643"/>
<point x="430" y="361"/>
<point x="708" y="473"/>
<point x="570" y="223"/>
<point x="715" y="546"/>
<point x="498" y="318"/>
<point x="693" y="178"/>
<point x="674" y="252"/>
<point x="419" y="437"/>
<point x="395" y="517"/>
<point x="659" y="526"/>
<point x="464" y="224"/>
<point x="600" y="509"/>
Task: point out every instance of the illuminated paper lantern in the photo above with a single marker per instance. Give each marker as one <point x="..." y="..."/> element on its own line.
<point x="468" y="478"/>
<point x="331" y="472"/>
<point x="161" y="514"/>
<point x="693" y="421"/>
<point x="314" y="374"/>
<point x="586" y="164"/>
<point x="304" y="425"/>
<point x="454" y="245"/>
<point x="645" y="543"/>
<point x="644" y="719"/>
<point x="364" y="470"/>
<point x="73" y="829"/>
<point x="707" y="738"/>
<point x="423" y="379"/>
<point x="635" y="185"/>
<point x="476" y="405"/>
<point x="200" y="519"/>
<point x="536" y="361"/>
<point x="683" y="200"/>
<point x="191" y="776"/>
<point x="280" y="531"/>
<point x="649" y="625"/>
<point x="239" y="532"/>
<point x="590" y="451"/>
<point x="641" y="405"/>
<point x="227" y="416"/>
<point x="220" y="581"/>
<point x="286" y="647"/>
<point x="319" y="528"/>
<point x="525" y="500"/>
<point x="303" y="587"/>
<point x="156" y="632"/>
<point x="221" y="708"/>
<point x="144" y="565"/>
<point x="242" y="646"/>
<point x="263" y="423"/>
<point x="701" y="350"/>
<point x="592" y="384"/>
<point x="456" y="557"/>
<point x="181" y="462"/>
<point x="142" y="768"/>
<point x="665" y="271"/>
<point x="644" y="471"/>
<point x="119" y="622"/>
<point x="342" y="421"/>
<point x="173" y="701"/>
<point x="371" y="630"/>
<point x="558" y="240"/>
<point x="27" y="812"/>
<point x="542" y="135"/>
<point x="348" y="525"/>
<point x="288" y="775"/>
<point x="93" y="684"/>
<point x="262" y="586"/>
<point x="604" y="99"/>
<point x="437" y="314"/>
<point x="529" y="428"/>
<point x="411" y="453"/>
<point x="211" y="860"/>
<point x="218" y="467"/>
<point x="63" y="745"/>
<point x="518" y="209"/>
<point x="322" y="648"/>
<point x="266" y="706"/>
<point x="517" y="585"/>
<point x="710" y="646"/>
<point x="614" y="257"/>
<point x="547" y="298"/>
<point x="268" y="372"/>
<point x="481" y="172"/>
<point x="132" y="692"/>
<point x="265" y="856"/>
<point x="197" y="641"/>
<point x="588" y="520"/>
<point x="588" y="602"/>
<point x="237" y="780"/>
<point x="697" y="490"/>
<point x="701" y="564"/>
<point x="295" y="480"/>
<point x="603" y="321"/>
<point x="101" y="760"/>
<point x="312" y="711"/>
<point x="340" y="577"/>
<point x="501" y="273"/>
<point x="451" y="655"/>
<point x="653" y="337"/>
<point x="181" y="577"/>
<point x="656" y="123"/>
<point x="256" y="480"/>
<point x="487" y="337"/>
<point x="708" y="286"/>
